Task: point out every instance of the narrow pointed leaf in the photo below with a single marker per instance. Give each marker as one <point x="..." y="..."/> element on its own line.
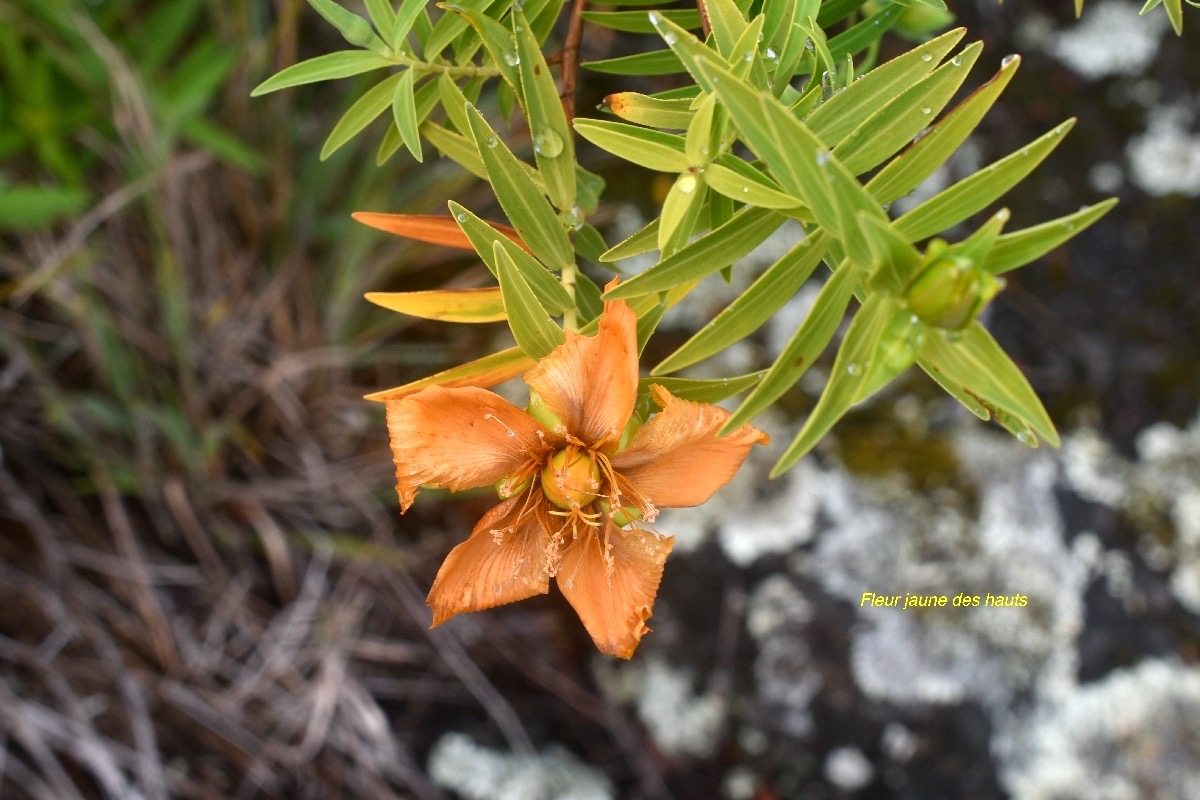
<point x="637" y="22"/>
<point x="974" y="193"/>
<point x="739" y="181"/>
<point x="894" y="125"/>
<point x="331" y="66"/>
<point x="680" y="212"/>
<point x="654" y="62"/>
<point x="735" y="239"/>
<point x="905" y="172"/>
<point x="850" y="372"/>
<point x="382" y="15"/>
<point x="663" y="152"/>
<point x="455" y="147"/>
<point x="750" y="310"/>
<point x="553" y="144"/>
<point x="643" y="241"/>
<point x="430" y="228"/>
<point x="535" y="332"/>
<point x="364" y="111"/>
<point x="805" y="345"/>
<point x="404" y="111"/>
<point x="862" y="35"/>
<point x="403" y="22"/>
<point x="354" y="29"/>
<point x="895" y="257"/>
<point x="484" y="238"/>
<point x="499" y="43"/>
<point x="697" y="390"/>
<point x="483" y="372"/>
<point x="974" y="365"/>
<point x="650" y="111"/>
<point x="448" y="305"/>
<point x="689" y="51"/>
<point x="727" y="24"/>
<point x="1018" y="248"/>
<point x="522" y="201"/>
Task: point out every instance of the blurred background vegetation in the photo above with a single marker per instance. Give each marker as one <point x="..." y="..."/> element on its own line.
<point x="205" y="587"/>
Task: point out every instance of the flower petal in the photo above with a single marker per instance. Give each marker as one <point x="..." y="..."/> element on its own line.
<point x="613" y="595"/>
<point x="459" y="439"/>
<point x="590" y="382"/>
<point x="676" y="458"/>
<point x="503" y="561"/>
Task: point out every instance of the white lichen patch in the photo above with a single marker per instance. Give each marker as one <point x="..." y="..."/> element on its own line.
<point x="1133" y="735"/>
<point x="1166" y="158"/>
<point x="786" y="680"/>
<point x="775" y="604"/>
<point x="891" y="541"/>
<point x="1111" y="38"/>
<point x="681" y="721"/>
<point x="475" y="772"/>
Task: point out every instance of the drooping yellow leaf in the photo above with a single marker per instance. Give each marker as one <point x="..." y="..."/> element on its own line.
<point x="448" y="305"/>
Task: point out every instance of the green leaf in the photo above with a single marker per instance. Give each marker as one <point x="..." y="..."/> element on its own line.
<point x="484" y="238"/>
<point x="652" y="111"/>
<point x="589" y="244"/>
<point x="382" y="15"/>
<point x="637" y="22"/>
<point x="328" y="67"/>
<point x="975" y="192"/>
<point x="356" y="30"/>
<point x="1018" y="248"/>
<point x="727" y="24"/>
<point x="864" y="33"/>
<point x="520" y="198"/>
<point x="225" y="146"/>
<point x="740" y="181"/>
<point x="903" y="174"/>
<point x="803" y="348"/>
<point x="895" y="124"/>
<point x="454" y="102"/>
<point x="851" y="369"/>
<point x="499" y="43"/>
<point x="535" y="332"/>
<point x="653" y="62"/>
<point x="362" y="113"/>
<point x="833" y="11"/>
<point x="587" y="298"/>
<point x="455" y="147"/>
<point x="553" y="144"/>
<point x="711" y="390"/>
<point x="974" y="369"/>
<point x="895" y="258"/>
<point x="663" y="152"/>
<point x="487" y="371"/>
<point x="450" y="25"/>
<point x="447" y="305"/>
<point x="680" y="212"/>
<point x="404" y="111"/>
<point x="403" y="22"/>
<point x="750" y="310"/>
<point x="734" y="240"/>
<point x="643" y="241"/>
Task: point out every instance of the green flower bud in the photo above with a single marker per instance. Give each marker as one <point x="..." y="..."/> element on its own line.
<point x="571" y="479"/>
<point x="949" y="291"/>
<point x="538" y="409"/>
<point x="625" y="516"/>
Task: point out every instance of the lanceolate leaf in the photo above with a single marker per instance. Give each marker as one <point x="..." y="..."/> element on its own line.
<point x="739" y="181"/>
<point x="850" y="371"/>
<point x="727" y="23"/>
<point x="804" y="347"/>
<point x="636" y="21"/>
<point x="972" y="364"/>
<point x="1018" y="248"/>
<point x="499" y="43"/>
<point x="655" y="62"/>
<point x="651" y="111"/>
<point x="404" y="111"/>
<point x="455" y="147"/>
<point x="484" y="372"/>
<point x="522" y="201"/>
<point x="361" y="114"/>
<point x="903" y="173"/>
<point x="834" y="119"/>
<point x="864" y="33"/>
<point x="429" y="228"/>
<point x="404" y="20"/>
<point x="535" y="332"/>
<point x="975" y="192"/>
<point x="663" y="152"/>
<point x="448" y="305"/>
<point x="553" y="145"/>
<point x="752" y="308"/>
<point x="356" y="30"/>
<point x="737" y="238"/>
<point x="328" y="67"/>
<point x="703" y="391"/>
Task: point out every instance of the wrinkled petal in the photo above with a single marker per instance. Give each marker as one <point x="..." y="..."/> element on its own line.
<point x="676" y="459"/>
<point x="614" y="594"/>
<point x="590" y="382"/>
<point x="503" y="561"/>
<point x="459" y="439"/>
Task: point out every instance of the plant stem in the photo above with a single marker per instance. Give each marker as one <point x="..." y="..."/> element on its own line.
<point x="570" y="58"/>
<point x="706" y="26"/>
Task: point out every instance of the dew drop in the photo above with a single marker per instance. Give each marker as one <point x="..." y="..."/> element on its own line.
<point x="1025" y="151"/>
<point x="1026" y="437"/>
<point x="926" y="110"/>
<point x="745" y="190"/>
<point x="547" y="143"/>
<point x="669" y="38"/>
<point x="854" y="368"/>
<point x="748" y="57"/>
<point x="1008" y="59"/>
<point x="686" y="183"/>
<point x="512" y="59"/>
<point x="956" y="61"/>
<point x="772" y="55"/>
<point x="823" y="158"/>
<point x="492" y="141"/>
<point x="461" y="217"/>
<point x="927" y="57"/>
<point x="808" y="44"/>
<point x="653" y="17"/>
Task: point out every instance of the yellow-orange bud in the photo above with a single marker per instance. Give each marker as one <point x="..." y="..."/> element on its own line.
<point x="571" y="479"/>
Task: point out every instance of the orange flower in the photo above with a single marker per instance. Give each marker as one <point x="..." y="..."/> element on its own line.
<point x="572" y="475"/>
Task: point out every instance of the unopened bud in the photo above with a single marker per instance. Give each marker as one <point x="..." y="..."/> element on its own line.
<point x="949" y="291"/>
<point x="571" y="479"/>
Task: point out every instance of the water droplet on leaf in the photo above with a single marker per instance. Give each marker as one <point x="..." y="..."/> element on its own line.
<point x="547" y="143"/>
